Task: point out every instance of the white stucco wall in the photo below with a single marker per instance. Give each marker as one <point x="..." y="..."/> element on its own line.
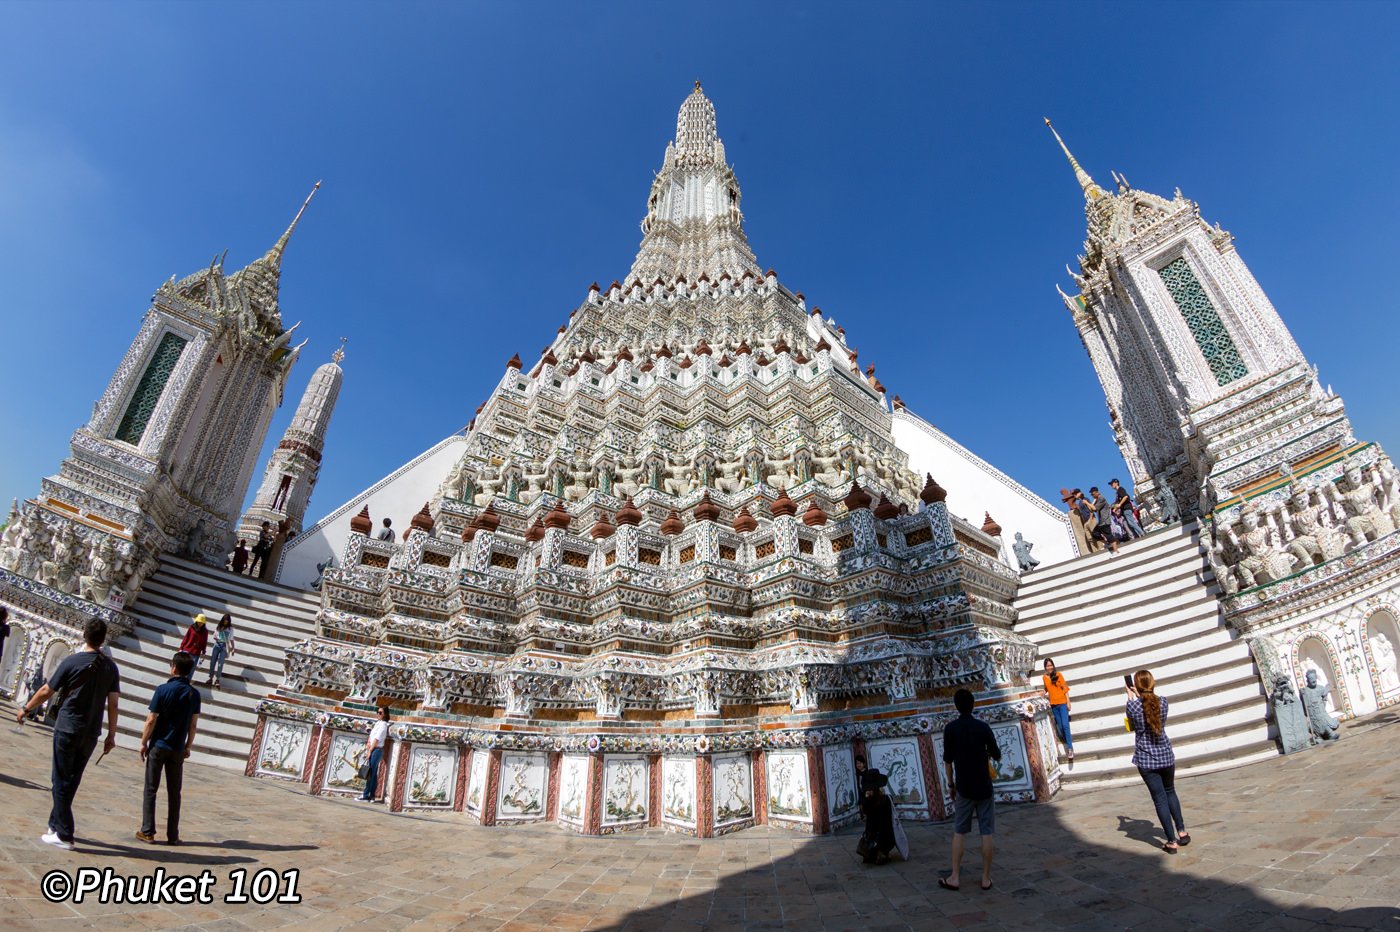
<point x="398" y="496"/>
<point x="976" y="487"/>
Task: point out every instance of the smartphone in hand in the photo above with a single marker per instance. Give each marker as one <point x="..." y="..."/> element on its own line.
<point x="1128" y="680"/>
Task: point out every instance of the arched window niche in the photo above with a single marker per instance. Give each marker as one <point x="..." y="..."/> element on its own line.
<point x="1315" y="653"/>
<point x="1382" y="649"/>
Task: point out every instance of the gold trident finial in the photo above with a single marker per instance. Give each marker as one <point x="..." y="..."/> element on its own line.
<point x="339" y="353"/>
<point x="1091" y="190"/>
<point x="697" y="84"/>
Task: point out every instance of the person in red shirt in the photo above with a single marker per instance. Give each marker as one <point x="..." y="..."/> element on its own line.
<point x="1057" y="688"/>
<point x="196" y="640"/>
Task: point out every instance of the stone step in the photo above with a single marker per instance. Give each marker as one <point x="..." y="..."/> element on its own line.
<point x="268" y="619"/>
<point x="1120" y="603"/>
<point x="1091" y="565"/>
<point x="1155" y="606"/>
<point x="1172" y="618"/>
<point x="210" y="595"/>
<point x="250" y="639"/>
<point x="179" y="600"/>
<point x="217" y="579"/>
<point x="1233" y="750"/>
<point x="1187" y="716"/>
<point x="1106" y="696"/>
<point x="1161" y="568"/>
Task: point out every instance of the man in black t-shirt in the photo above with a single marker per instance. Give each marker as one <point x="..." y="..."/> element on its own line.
<point x="968" y="750"/>
<point x="1123" y="504"/>
<point x="85" y="683"/>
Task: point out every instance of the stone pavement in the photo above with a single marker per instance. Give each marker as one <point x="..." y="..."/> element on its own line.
<point x="1287" y="844"/>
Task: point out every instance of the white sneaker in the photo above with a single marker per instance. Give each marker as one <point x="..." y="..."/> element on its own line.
<point x="51" y="838"/>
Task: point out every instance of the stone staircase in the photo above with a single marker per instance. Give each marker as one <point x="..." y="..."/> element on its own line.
<point x="1153" y="606"/>
<point x="266" y="620"/>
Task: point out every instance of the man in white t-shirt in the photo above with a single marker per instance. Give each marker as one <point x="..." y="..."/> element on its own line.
<point x="374" y="745"/>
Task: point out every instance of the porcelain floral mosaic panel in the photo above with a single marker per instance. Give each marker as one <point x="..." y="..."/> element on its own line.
<point x="625" y="786"/>
<point x="898" y="759"/>
<point x="733" y="788"/>
<point x="432" y="773"/>
<point x="283" y="752"/>
<point x="838" y="763"/>
<point x="476" y="780"/>
<point x="523" y="783"/>
<point x="1012" y="771"/>
<point x="342" y="770"/>
<point x="573" y="788"/>
<point x="789" y="795"/>
<point x="678" y="790"/>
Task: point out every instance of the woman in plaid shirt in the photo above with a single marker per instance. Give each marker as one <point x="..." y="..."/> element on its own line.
<point x="1153" y="756"/>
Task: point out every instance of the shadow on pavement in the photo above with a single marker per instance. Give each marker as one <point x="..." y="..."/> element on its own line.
<point x="240" y="845"/>
<point x="21" y="783"/>
<point x="165" y="854"/>
<point x="1044" y="876"/>
<point x="1140" y="830"/>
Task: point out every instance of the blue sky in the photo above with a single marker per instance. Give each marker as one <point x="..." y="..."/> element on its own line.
<point x="483" y="163"/>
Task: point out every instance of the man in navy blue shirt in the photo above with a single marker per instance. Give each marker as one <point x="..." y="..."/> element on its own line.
<point x="968" y="750"/>
<point x="165" y="743"/>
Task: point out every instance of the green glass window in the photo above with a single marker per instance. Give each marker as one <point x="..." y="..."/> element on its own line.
<point x="147" y="394"/>
<point x="1204" y="321"/>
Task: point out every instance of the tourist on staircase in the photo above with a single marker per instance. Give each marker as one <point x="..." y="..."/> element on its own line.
<point x="1153" y="755"/>
<point x="1057" y="688"/>
<point x="196" y="640"/>
<point x="1081" y="504"/>
<point x="222" y="649"/>
<point x="1123" y="506"/>
<point x="374" y="746"/>
<point x="1103" y="518"/>
<point x="239" y="563"/>
<point x="1076" y="522"/>
<point x="261" y="550"/>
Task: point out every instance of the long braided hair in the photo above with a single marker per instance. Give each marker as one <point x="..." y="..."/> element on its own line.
<point x="1145" y="683"/>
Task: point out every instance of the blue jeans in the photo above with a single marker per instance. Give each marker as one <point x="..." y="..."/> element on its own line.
<point x="372" y="783"/>
<point x="70" y="759"/>
<point x="1162" y="785"/>
<point x="216" y="660"/>
<point x="1061" y="715"/>
<point x="1132" y="522"/>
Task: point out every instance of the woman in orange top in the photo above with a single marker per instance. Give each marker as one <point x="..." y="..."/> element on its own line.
<point x="1058" y="690"/>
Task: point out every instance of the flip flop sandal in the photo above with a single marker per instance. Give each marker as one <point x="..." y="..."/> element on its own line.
<point x="1169" y="847"/>
<point x="1183" y="840"/>
<point x="943" y="882"/>
<point x="987" y="887"/>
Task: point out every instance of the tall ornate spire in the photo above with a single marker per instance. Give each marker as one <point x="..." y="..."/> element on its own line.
<point x="274" y="255"/>
<point x="693" y="225"/>
<point x="1092" y="191"/>
<point x="261" y="279"/>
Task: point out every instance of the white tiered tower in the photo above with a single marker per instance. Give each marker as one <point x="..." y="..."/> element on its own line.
<point x="1209" y="394"/>
<point x="1204" y="382"/>
<point x="294" y="466"/>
